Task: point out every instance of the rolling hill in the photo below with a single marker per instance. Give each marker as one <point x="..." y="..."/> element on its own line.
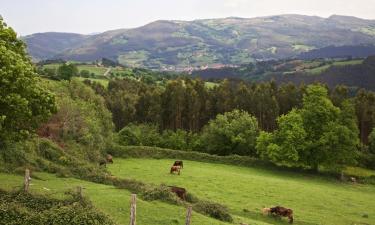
<point x="213" y="42"/>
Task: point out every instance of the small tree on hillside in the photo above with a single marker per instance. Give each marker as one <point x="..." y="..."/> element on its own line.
<point x="67" y="71"/>
<point x="286" y="144"/>
<point x="231" y="133"/>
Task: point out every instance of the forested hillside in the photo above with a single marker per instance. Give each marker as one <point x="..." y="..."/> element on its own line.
<point x="180" y="45"/>
<point x="354" y="73"/>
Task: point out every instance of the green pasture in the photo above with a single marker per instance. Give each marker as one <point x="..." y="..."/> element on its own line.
<point x="103" y="82"/>
<point x="314" y="199"/>
<point x="97" y="70"/>
<point x="110" y="200"/>
<point x="318" y="70"/>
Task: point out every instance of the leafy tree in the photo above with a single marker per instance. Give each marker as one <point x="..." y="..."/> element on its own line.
<point x="288" y="97"/>
<point x="82" y="117"/>
<point x="231" y="133"/>
<point x="66" y="71"/>
<point x="173" y="105"/>
<point x="365" y="111"/>
<point x="122" y="104"/>
<point x="317" y="112"/>
<point x="318" y="134"/>
<point x="339" y="94"/>
<point x="265" y="106"/>
<point x="178" y="139"/>
<point x="140" y="135"/>
<point x="372" y="141"/>
<point x="285" y="145"/>
<point x="84" y="73"/>
<point x="24" y="102"/>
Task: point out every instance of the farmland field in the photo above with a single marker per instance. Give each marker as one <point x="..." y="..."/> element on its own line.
<point x="103" y="82"/>
<point x="97" y="70"/>
<point x="314" y="199"/>
<point x="110" y="200"/>
<point x="320" y="69"/>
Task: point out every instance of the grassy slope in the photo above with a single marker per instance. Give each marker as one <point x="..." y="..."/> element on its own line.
<point x="320" y="69"/>
<point x="315" y="200"/>
<point x="112" y="201"/>
<point x="99" y="71"/>
<point x="103" y="82"/>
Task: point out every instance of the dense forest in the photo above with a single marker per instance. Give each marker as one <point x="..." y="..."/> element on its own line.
<point x="185" y="113"/>
<point x="354" y="73"/>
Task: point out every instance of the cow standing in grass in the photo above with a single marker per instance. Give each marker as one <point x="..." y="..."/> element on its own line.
<point x="179" y="191"/>
<point x="279" y="211"/>
<point x="109" y="158"/>
<point x="175" y="169"/>
<point x="179" y="163"/>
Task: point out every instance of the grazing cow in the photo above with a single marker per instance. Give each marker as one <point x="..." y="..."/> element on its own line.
<point x="353" y="179"/>
<point x="266" y="211"/>
<point x="179" y="163"/>
<point x="179" y="191"/>
<point x="176" y="169"/>
<point x="280" y="211"/>
<point x="109" y="158"/>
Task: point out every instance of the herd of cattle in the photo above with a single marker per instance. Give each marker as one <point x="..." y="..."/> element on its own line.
<point x="278" y="211"/>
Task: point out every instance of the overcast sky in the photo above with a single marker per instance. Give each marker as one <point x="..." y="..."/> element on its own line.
<point x="88" y="16"/>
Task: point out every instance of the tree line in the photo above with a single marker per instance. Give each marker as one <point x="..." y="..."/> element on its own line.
<point x="188" y="104"/>
<point x="264" y="120"/>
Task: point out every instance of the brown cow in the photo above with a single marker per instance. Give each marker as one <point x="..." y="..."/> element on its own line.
<point x="280" y="211"/>
<point x="179" y="163"/>
<point x="175" y="169"/>
<point x="109" y="158"/>
<point x="179" y="191"/>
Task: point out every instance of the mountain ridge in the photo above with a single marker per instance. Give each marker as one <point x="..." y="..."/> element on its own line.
<point x="173" y="44"/>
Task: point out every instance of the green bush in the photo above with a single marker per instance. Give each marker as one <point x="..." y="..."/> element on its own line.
<point x="368" y="180"/>
<point x="161" y="193"/>
<point x="140" y="135"/>
<point x="367" y="160"/>
<point x="22" y="208"/>
<point x="214" y="210"/>
<point x="231" y="133"/>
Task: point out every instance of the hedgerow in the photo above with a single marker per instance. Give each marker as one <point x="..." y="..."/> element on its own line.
<point x="23" y="208"/>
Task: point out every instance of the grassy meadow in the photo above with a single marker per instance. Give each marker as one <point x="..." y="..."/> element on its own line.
<point x="314" y="199"/>
<point x="320" y="69"/>
<point x="97" y="70"/>
<point x="110" y="200"/>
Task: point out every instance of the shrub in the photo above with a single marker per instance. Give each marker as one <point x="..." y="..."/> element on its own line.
<point x="160" y="193"/>
<point x="23" y="208"/>
<point x="140" y="135"/>
<point x="367" y="160"/>
<point x="175" y="140"/>
<point x="231" y="133"/>
<point x="214" y="210"/>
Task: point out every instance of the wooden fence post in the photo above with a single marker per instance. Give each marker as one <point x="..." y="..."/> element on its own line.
<point x="133" y="209"/>
<point x="79" y="191"/>
<point x="188" y="215"/>
<point x="27" y="180"/>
